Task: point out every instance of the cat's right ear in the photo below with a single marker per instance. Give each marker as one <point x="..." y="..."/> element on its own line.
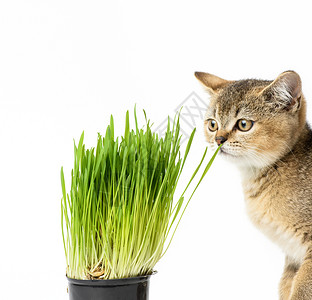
<point x="285" y="91"/>
<point x="211" y="82"/>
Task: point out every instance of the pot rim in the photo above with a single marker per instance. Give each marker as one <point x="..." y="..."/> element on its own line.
<point x="111" y="282"/>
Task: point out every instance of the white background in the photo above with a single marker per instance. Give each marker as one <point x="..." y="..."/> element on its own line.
<point x="65" y="66"/>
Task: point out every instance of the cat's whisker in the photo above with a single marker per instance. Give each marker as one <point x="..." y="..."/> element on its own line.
<point x="273" y="158"/>
<point x="251" y="151"/>
<point x="261" y="160"/>
<point x="266" y="150"/>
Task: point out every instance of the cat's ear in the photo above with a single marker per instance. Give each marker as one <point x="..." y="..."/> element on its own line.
<point x="211" y="82"/>
<point x="285" y="91"/>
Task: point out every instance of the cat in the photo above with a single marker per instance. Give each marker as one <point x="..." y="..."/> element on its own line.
<point x="262" y="127"/>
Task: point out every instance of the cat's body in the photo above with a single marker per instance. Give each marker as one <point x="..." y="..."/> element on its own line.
<point x="279" y="200"/>
<point x="262" y="127"/>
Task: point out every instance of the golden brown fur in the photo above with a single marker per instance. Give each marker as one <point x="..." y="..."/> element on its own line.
<point x="275" y="160"/>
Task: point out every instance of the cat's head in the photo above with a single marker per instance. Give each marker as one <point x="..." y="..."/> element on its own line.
<point x="257" y="121"/>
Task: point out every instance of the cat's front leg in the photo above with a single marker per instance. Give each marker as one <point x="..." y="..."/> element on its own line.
<point x="290" y="270"/>
<point x="302" y="284"/>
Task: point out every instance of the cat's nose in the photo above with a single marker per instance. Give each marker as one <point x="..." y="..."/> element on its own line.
<point x="220" y="140"/>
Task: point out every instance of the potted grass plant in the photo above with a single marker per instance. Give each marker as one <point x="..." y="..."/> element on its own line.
<point x="119" y="216"/>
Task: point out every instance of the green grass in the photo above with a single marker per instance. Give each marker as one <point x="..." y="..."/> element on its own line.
<point x="119" y="216"/>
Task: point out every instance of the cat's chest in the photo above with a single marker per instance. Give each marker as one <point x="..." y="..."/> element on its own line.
<point x="275" y="227"/>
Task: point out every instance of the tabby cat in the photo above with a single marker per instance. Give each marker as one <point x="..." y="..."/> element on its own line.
<point x="262" y="127"/>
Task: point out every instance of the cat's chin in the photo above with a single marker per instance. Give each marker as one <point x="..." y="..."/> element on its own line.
<point x="239" y="161"/>
<point x="225" y="152"/>
<point x="246" y="164"/>
<point x="229" y="156"/>
<point x="242" y="162"/>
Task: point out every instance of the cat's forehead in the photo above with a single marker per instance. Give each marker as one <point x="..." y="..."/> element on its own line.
<point x="238" y="98"/>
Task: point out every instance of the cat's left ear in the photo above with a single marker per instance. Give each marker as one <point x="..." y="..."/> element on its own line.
<point x="286" y="91"/>
<point x="212" y="83"/>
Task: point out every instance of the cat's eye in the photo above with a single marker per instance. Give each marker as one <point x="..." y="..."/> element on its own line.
<point x="212" y="125"/>
<point x="244" y="125"/>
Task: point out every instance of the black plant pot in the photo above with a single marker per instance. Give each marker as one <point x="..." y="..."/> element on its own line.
<point x="134" y="288"/>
